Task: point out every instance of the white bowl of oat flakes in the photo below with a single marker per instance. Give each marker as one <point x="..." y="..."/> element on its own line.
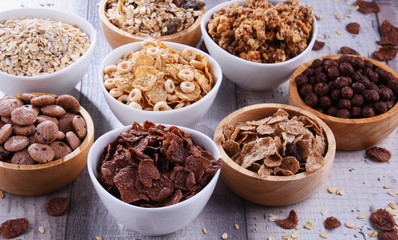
<point x="162" y="82"/>
<point x="43" y="50"/>
<point x="260" y="52"/>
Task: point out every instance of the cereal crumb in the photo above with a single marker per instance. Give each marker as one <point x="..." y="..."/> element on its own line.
<point x="224" y="236"/>
<point x="390" y="210"/>
<point x="324" y="235"/>
<point x="340" y="192"/>
<point x="1" y="194"/>
<point x="331" y="190"/>
<point x="350" y="224"/>
<point x="309" y="225"/>
<point x="392" y="205"/>
<point x="387" y="187"/>
<point x="362" y="216"/>
<point x="392" y="192"/>
<point x="287" y="237"/>
<point x="204" y="230"/>
<point x="298" y="227"/>
<point x="339" y="32"/>
<point x="355" y="8"/>
<point x="295" y="235"/>
<point x="373" y="234"/>
<point x="330" y="36"/>
<point x="348" y="15"/>
<point x="324" y="211"/>
<point x="271" y="238"/>
<point x="336" y="0"/>
<point x="349" y="3"/>
<point x="41" y="230"/>
<point x="98" y="238"/>
<point x="272" y="218"/>
<point x="236" y="226"/>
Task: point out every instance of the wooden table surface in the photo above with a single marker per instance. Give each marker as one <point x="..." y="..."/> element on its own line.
<point x="361" y="179"/>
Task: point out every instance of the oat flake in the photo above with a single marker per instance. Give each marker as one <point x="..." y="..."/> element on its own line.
<point x="373" y="234"/>
<point x="309" y="225"/>
<point x="204" y="230"/>
<point x="98" y="237"/>
<point x="224" y="236"/>
<point x="340" y="192"/>
<point x="324" y="211"/>
<point x="331" y="190"/>
<point x="295" y="235"/>
<point x="392" y="192"/>
<point x="362" y="216"/>
<point x="324" y="235"/>
<point x="41" y="230"/>
<point x="350" y="225"/>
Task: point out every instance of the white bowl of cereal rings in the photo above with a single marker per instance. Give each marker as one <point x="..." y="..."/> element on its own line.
<point x="162" y="188"/>
<point x="160" y="82"/>
<point x="256" y="52"/>
<point x="43" y="50"/>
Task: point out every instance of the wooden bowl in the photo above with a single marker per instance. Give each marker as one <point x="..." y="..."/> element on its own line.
<point x="117" y="37"/>
<point x="40" y="179"/>
<point x="350" y="134"/>
<point x="273" y="190"/>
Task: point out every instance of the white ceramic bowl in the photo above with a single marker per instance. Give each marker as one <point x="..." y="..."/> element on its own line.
<point x="251" y="75"/>
<point x="60" y="81"/>
<point x="187" y="116"/>
<point x="152" y="221"/>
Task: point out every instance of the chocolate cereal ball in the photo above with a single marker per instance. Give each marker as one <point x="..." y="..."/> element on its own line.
<point x="305" y="90"/>
<point x="347" y="92"/>
<point x="357" y="100"/>
<point x="380" y="107"/>
<point x="343" y="113"/>
<point x="346" y="69"/>
<point x="371" y="95"/>
<point x="344" y="104"/>
<point x="325" y="102"/>
<point x="335" y="95"/>
<point x="368" y="111"/>
<point x="331" y="111"/>
<point x="316" y="63"/>
<point x="333" y="73"/>
<point x="385" y="93"/>
<point x="321" y="89"/>
<point x="358" y="87"/>
<point x="311" y="99"/>
<point x="356" y="112"/>
<point x="301" y="80"/>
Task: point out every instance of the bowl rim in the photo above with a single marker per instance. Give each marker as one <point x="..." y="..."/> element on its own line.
<point x="36" y="13"/>
<point x="86" y="143"/>
<point x="293" y="89"/>
<point x="329" y="156"/>
<point x="121" y="49"/>
<point x="205" y="35"/>
<point x="98" y="186"/>
<point x="104" y="19"/>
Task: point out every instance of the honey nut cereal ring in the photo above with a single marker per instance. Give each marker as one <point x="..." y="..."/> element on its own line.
<point x="164" y="53"/>
<point x="148" y="42"/>
<point x="135" y="105"/>
<point x="109" y="84"/>
<point x="186" y="75"/>
<point x="169" y="86"/>
<point x="196" y="64"/>
<point x="187" y="87"/>
<point x="153" y="52"/>
<point x="180" y="105"/>
<point x="115" y="92"/>
<point x="135" y="95"/>
<point x="110" y="69"/>
<point x="124" y="98"/>
<point x="172" y="98"/>
<point x="175" y="57"/>
<point x="161" y="106"/>
<point x="123" y="67"/>
<point x="189" y="54"/>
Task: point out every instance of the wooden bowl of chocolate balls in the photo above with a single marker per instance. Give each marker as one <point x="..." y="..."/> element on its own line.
<point x="355" y="96"/>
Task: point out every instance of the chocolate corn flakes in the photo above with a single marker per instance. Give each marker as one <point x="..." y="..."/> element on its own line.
<point x="290" y="222"/>
<point x="14" y="227"/>
<point x="348" y="50"/>
<point x="382" y="220"/>
<point x="385" y="53"/>
<point x="332" y="223"/>
<point x="390" y="34"/>
<point x="378" y="154"/>
<point x="368" y="7"/>
<point x="318" y="45"/>
<point x="276" y="145"/>
<point x="57" y="206"/>
<point x="353" y="28"/>
<point x="153" y="166"/>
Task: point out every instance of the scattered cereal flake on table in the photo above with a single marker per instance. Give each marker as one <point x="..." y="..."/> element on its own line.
<point x="340" y="192"/>
<point x="350" y="225"/>
<point x="373" y="234"/>
<point x="392" y="211"/>
<point x="271" y="238"/>
<point x="330" y="36"/>
<point x="324" y="211"/>
<point x="349" y="3"/>
<point x="392" y="192"/>
<point x="362" y="216"/>
<point x="224" y="236"/>
<point x="324" y="235"/>
<point x="204" y="230"/>
<point x="287" y="237"/>
<point x="336" y="0"/>
<point x="318" y="16"/>
<point x="236" y="226"/>
<point x="295" y="235"/>
<point x="386" y="187"/>
<point x="41" y="230"/>
<point x="1" y="194"/>
<point x="355" y="8"/>
<point x="339" y="32"/>
<point x="309" y="225"/>
<point x="392" y="205"/>
<point x="98" y="238"/>
<point x="272" y="218"/>
<point x="331" y="190"/>
<point x="348" y="15"/>
<point x="298" y="227"/>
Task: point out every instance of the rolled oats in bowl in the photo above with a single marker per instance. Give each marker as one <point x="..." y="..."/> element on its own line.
<point x="35" y="46"/>
<point x="153" y="18"/>
<point x="262" y="32"/>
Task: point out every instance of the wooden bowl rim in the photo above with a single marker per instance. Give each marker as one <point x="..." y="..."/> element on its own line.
<point x="353" y="121"/>
<point x="69" y="157"/>
<point x="331" y="149"/>
<point x="119" y="31"/>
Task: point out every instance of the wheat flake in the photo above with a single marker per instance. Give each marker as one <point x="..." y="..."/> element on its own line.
<point x="324" y="235"/>
<point x="340" y="192"/>
<point x="309" y="225"/>
<point x="331" y="190"/>
<point x="362" y="216"/>
<point x="350" y="225"/>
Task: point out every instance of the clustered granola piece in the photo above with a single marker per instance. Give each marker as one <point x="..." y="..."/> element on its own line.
<point x="261" y="32"/>
<point x="153" y="18"/>
<point x="276" y="145"/>
<point x="34" y="46"/>
<point x="154" y="166"/>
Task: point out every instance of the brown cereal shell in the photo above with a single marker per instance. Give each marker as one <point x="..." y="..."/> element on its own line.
<point x="318" y="45"/>
<point x="5" y="132"/>
<point x="73" y="140"/>
<point x="43" y="100"/>
<point x="378" y="154"/>
<point x="27" y="97"/>
<point x="290" y="222"/>
<point x="368" y="7"/>
<point x="385" y="53"/>
<point x="16" y="143"/>
<point x="348" y="50"/>
<point x="353" y="28"/>
<point x="53" y="110"/>
<point x="390" y="34"/>
<point x="382" y="220"/>
<point x="3" y="153"/>
<point x="80" y="126"/>
<point x="69" y="103"/>
<point x="65" y="123"/>
<point x="332" y="222"/>
<point x="46" y="132"/>
<point x="24" y="130"/>
<point x="42" y="118"/>
<point x="41" y="153"/>
<point x="24" y="115"/>
<point x="8" y="105"/>
<point x="61" y="149"/>
<point x="22" y="158"/>
<point x="57" y="206"/>
<point x="14" y="228"/>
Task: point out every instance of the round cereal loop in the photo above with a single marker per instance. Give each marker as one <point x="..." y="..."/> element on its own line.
<point x="135" y="95"/>
<point x="153" y="52"/>
<point x="161" y="106"/>
<point x="189" y="54"/>
<point x="60" y="135"/>
<point x="80" y="126"/>
<point x="115" y="92"/>
<point x="24" y="115"/>
<point x="196" y="64"/>
<point x="41" y="153"/>
<point x="69" y="103"/>
<point x="8" y="105"/>
<point x="16" y="143"/>
<point x="186" y="75"/>
<point x="172" y="98"/>
<point x="135" y="105"/>
<point x="53" y="110"/>
<point x="109" y="84"/>
<point x="65" y="122"/>
<point x="123" y="99"/>
<point x="46" y="132"/>
<point x="61" y="149"/>
<point x="3" y="153"/>
<point x="27" y="97"/>
<point x="5" y="132"/>
<point x="187" y="87"/>
<point x="43" y="100"/>
<point x="181" y="60"/>
<point x="24" y="130"/>
<point x="123" y="67"/>
<point x="73" y="141"/>
<point x="110" y="69"/>
<point x="169" y="86"/>
<point x="42" y="118"/>
<point x="149" y="42"/>
<point x="22" y="158"/>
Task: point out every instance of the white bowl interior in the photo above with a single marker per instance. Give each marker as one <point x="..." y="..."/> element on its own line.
<point x="152" y="221"/>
